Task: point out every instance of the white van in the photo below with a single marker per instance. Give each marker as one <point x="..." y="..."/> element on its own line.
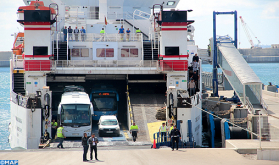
<point x="108" y="125"/>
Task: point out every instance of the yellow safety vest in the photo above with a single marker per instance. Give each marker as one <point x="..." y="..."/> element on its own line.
<point x="171" y="128"/>
<point x="138" y="31"/>
<point x="54" y="125"/>
<point x="163" y="129"/>
<point x="134" y="127"/>
<point x="59" y="132"/>
<point x="102" y="31"/>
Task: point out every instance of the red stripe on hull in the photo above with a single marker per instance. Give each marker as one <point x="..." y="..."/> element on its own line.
<point x="27" y="28"/>
<point x="37" y="65"/>
<point x="36" y="23"/>
<point x="175" y="23"/>
<point x="173" y="29"/>
<point x="174" y="65"/>
<point x="174" y="56"/>
<point x="37" y="56"/>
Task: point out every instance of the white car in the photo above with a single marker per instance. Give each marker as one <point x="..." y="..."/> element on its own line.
<point x="108" y="125"/>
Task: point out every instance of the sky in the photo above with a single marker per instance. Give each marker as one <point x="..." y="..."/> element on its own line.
<point x="261" y="16"/>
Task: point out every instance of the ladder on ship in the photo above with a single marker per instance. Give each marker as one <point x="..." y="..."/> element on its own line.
<point x="18" y="85"/>
<point x="62" y="51"/>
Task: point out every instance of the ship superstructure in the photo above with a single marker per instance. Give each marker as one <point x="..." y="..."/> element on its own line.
<point x="155" y="55"/>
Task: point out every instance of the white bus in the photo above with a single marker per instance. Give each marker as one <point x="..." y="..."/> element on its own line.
<point x="75" y="112"/>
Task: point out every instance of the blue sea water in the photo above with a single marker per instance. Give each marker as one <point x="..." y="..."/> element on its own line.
<point x="267" y="72"/>
<point x="4" y="107"/>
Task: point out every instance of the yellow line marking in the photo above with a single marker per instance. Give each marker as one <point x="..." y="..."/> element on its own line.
<point x="126" y="135"/>
<point x="153" y="128"/>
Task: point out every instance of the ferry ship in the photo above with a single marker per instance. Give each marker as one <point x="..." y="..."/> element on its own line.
<point x="155" y="56"/>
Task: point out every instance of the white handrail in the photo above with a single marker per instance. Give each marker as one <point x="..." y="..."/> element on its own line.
<point x="249" y="105"/>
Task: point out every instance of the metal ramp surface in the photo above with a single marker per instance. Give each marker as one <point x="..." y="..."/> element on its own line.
<point x="144" y="109"/>
<point x="242" y="78"/>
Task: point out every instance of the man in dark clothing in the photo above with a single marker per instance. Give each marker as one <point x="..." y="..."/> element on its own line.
<point x="65" y="31"/>
<point x="93" y="145"/>
<point x="196" y="57"/>
<point x="175" y="134"/>
<point x="196" y="77"/>
<point x="84" y="141"/>
<point x="70" y="33"/>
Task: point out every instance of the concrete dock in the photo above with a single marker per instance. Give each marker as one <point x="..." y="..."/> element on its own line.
<point x="237" y="152"/>
<point x="112" y="156"/>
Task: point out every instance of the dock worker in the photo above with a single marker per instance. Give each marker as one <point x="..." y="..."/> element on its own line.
<point x="53" y="128"/>
<point x="84" y="142"/>
<point x="93" y="145"/>
<point x="134" y="130"/>
<point x="171" y="128"/>
<point x="60" y="136"/>
<point x="121" y="32"/>
<point x="138" y="33"/>
<point x="175" y="135"/>
<point x="102" y="32"/>
<point x="163" y="131"/>
<point x="208" y="49"/>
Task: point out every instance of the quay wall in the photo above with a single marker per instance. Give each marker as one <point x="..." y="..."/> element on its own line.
<point x="5" y="58"/>
<point x="268" y="55"/>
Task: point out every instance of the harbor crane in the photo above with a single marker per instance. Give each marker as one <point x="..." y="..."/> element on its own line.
<point x="246" y="30"/>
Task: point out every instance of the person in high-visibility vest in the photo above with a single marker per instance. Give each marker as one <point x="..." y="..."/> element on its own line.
<point x="162" y="130"/>
<point x="138" y="33"/>
<point x="60" y="135"/>
<point x="53" y="128"/>
<point x="170" y="128"/>
<point x="138" y="30"/>
<point x="102" y="32"/>
<point x="134" y="130"/>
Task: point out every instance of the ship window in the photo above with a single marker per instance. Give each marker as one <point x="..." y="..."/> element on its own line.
<point x="105" y="52"/>
<point x="80" y="52"/>
<point x="40" y="50"/>
<point x="124" y="52"/>
<point x="170" y="3"/>
<point x="132" y="52"/>
<point x="171" y="50"/>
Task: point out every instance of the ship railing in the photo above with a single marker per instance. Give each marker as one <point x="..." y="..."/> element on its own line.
<point x="152" y="64"/>
<point x="249" y="105"/>
<point x="95" y="37"/>
<point x="32" y="65"/>
<point x="263" y="103"/>
<point x="74" y="14"/>
<point x="130" y="116"/>
<point x="19" y="99"/>
<point x="207" y="78"/>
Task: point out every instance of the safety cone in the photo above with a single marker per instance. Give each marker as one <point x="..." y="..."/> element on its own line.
<point x="154" y="144"/>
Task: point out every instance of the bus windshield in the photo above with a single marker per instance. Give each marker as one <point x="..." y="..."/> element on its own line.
<point x="104" y="104"/>
<point x="75" y="114"/>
